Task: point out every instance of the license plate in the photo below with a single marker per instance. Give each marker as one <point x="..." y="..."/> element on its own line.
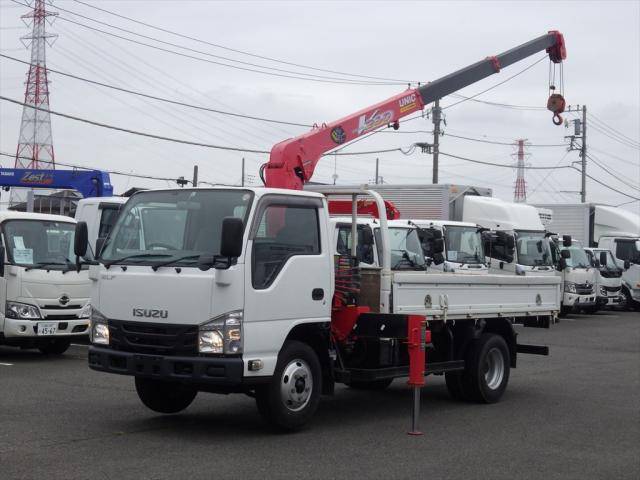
<point x="47" y="328"/>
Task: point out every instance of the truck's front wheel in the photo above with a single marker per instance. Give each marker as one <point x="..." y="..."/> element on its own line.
<point x="164" y="397"/>
<point x="291" y="398"/>
<point x="487" y="367"/>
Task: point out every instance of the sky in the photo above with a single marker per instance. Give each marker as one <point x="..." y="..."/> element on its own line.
<point x="416" y="41"/>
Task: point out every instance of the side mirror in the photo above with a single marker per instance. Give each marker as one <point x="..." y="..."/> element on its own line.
<point x="566" y="240"/>
<point x="436" y="234"/>
<point x="627" y="264"/>
<point x="438" y="246"/>
<point x="511" y="242"/>
<point x="565" y="254"/>
<point x="596" y="263"/>
<point x="1" y="260"/>
<point x="81" y="240"/>
<point x="508" y="258"/>
<point x="562" y="264"/>
<point x="231" y="237"/>
<point x="438" y="258"/>
<point x="99" y="244"/>
<point x="367" y="236"/>
<point x="603" y="258"/>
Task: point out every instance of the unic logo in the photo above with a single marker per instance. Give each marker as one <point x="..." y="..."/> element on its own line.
<point x="150" y="313"/>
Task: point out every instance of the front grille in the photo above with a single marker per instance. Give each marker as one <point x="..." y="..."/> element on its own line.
<point x="62" y="316"/>
<point x="153" y="338"/>
<point x="611" y="289"/>
<point x="584" y="289"/>
<point x="61" y="307"/>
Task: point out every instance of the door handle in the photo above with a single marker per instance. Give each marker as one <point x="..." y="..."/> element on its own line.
<point x="317" y="294"/>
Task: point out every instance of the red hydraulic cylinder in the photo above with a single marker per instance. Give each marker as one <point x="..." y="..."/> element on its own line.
<point x="418" y="337"/>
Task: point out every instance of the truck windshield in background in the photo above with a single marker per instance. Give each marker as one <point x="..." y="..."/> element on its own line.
<point x="162" y="225"/>
<point x="39" y="243"/>
<point x="406" y="250"/>
<point x="463" y="244"/>
<point x="578" y="258"/>
<point x="533" y="249"/>
<point x="628" y="249"/>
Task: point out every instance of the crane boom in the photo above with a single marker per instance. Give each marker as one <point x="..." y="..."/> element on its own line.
<point x="293" y="161"/>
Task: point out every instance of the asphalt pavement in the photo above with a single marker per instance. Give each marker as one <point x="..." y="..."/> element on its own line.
<point x="574" y="414"/>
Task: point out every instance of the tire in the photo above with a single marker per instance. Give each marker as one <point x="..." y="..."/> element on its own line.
<point x="628" y="303"/>
<point x="372" y="385"/>
<point x="56" y="346"/>
<point x="456" y="386"/>
<point x="487" y="368"/>
<point x="164" y="397"/>
<point x="289" y="406"/>
<point x="564" y="311"/>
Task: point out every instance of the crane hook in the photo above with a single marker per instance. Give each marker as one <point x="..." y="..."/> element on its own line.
<point x="557" y="119"/>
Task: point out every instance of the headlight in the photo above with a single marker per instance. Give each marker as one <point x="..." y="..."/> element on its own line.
<point x="99" y="332"/>
<point x="570" y="287"/>
<point x="222" y="334"/>
<point x="603" y="292"/>
<point x="22" y="311"/>
<point x="85" y="312"/>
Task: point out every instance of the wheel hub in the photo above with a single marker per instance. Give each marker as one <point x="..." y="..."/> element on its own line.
<point x="494" y="368"/>
<point x="296" y="385"/>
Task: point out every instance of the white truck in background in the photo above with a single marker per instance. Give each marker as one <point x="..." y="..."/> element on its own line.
<point x="610" y="228"/>
<point x="100" y="214"/>
<point x="43" y="298"/>
<point x="609" y="281"/>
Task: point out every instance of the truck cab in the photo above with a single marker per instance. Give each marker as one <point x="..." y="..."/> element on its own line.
<point x="609" y="277"/>
<point x="463" y="250"/>
<point x="43" y="298"/>
<point x="100" y="214"/>
<point x="626" y="254"/>
<point x="515" y="241"/>
<point x="579" y="278"/>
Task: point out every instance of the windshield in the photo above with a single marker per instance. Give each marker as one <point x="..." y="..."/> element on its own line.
<point x="578" y="258"/>
<point x="406" y="250"/>
<point x="157" y="225"/>
<point x="610" y="264"/>
<point x="533" y="249"/>
<point x="463" y="244"/>
<point x="39" y="243"/>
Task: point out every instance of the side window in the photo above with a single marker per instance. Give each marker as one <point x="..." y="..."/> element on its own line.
<point x="625" y="249"/>
<point x="364" y="253"/>
<point x="107" y="219"/>
<point x="284" y="231"/>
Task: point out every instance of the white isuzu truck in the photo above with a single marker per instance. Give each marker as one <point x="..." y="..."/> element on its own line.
<point x="43" y="298"/>
<point x="609" y="282"/>
<point x="239" y="290"/>
<point x="610" y="228"/>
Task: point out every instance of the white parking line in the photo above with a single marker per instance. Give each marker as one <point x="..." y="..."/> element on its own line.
<point x="6" y="364"/>
<point x="80" y="345"/>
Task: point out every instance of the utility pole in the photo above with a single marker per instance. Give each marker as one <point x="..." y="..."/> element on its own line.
<point x="242" y="180"/>
<point x="580" y="131"/>
<point x="436" y="118"/>
<point x="583" y="153"/>
<point x="377" y="170"/>
<point x="195" y="176"/>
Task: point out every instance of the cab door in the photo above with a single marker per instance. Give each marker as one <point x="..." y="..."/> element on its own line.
<point x="3" y="284"/>
<point x="288" y="274"/>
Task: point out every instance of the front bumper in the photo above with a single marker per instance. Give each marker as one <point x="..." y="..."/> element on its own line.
<point x="29" y="328"/>
<point x="604" y="301"/>
<point x="575" y="300"/>
<point x="213" y="371"/>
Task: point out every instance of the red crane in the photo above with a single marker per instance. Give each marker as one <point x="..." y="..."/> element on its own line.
<point x="292" y="162"/>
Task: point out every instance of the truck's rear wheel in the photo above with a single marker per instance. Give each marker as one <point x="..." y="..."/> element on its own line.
<point x="164" y="397"/>
<point x="291" y="398"/>
<point x="55" y="346"/>
<point x="487" y="367"/>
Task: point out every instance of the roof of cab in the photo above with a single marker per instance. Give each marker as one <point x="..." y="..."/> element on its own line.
<point x="11" y="215"/>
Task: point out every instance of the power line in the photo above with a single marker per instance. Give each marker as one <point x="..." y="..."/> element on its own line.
<point x="504" y="143"/>
<point x="612" y="137"/>
<point x="621" y="180"/>
<point x="161" y="99"/>
<point x="613" y="130"/>
<point x="609" y="154"/>
<point x="262" y="57"/>
<point x="288" y="74"/>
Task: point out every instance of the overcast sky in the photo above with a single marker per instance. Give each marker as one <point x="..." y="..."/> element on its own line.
<point x="400" y="40"/>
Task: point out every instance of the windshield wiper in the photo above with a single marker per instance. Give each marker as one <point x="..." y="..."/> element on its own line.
<point x="42" y="264"/>
<point x="175" y="260"/>
<point x="135" y="255"/>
